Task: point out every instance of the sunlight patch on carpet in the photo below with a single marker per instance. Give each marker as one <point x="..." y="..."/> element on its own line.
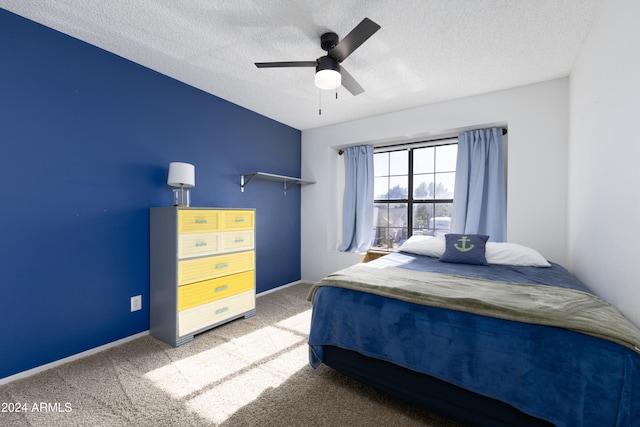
<point x="235" y="361"/>
<point x="222" y="401"/>
<point x="189" y="375"/>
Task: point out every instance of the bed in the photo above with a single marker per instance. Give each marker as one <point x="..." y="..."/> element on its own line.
<point x="508" y="339"/>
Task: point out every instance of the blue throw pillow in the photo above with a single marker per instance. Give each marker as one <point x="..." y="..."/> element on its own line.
<point x="465" y="249"/>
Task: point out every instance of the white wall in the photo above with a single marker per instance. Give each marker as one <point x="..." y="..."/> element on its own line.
<point x="604" y="152"/>
<point x="537" y="119"/>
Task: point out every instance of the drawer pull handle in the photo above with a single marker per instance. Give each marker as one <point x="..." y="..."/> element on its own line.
<point x="240" y="219"/>
<point x="201" y="221"/>
<point x="225" y="265"/>
<point x="222" y="288"/>
<point x="222" y="310"/>
<point x="201" y="244"/>
<point x="239" y="240"/>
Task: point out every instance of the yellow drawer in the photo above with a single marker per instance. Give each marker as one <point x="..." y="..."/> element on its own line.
<point x="215" y="312"/>
<point x="199" y="293"/>
<point x="237" y="240"/>
<point x="195" y="270"/>
<point x="198" y="221"/>
<point x="201" y="244"/>
<point x="237" y="220"/>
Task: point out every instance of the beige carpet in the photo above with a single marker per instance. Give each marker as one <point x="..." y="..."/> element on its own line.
<point x="250" y="372"/>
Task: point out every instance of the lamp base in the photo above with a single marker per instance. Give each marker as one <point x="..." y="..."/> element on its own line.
<point x="181" y="197"/>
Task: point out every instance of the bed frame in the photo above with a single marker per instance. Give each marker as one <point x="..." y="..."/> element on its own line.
<point x="428" y="392"/>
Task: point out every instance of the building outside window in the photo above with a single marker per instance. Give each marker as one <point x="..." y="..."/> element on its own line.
<point x="413" y="191"/>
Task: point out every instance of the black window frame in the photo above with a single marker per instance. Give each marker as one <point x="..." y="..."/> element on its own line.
<point x="410" y="200"/>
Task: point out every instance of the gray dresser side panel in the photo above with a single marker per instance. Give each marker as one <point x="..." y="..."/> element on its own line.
<point x="164" y="273"/>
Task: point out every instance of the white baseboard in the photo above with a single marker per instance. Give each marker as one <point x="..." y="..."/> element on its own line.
<point x="42" y="368"/>
<point x="297" y="282"/>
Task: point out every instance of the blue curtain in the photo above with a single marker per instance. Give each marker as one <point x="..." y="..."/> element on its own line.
<point x="480" y="198"/>
<point x="357" y="213"/>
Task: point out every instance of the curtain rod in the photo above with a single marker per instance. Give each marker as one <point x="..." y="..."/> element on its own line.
<point x="504" y="132"/>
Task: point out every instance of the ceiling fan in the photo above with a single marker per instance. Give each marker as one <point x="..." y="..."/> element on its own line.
<point x="329" y="73"/>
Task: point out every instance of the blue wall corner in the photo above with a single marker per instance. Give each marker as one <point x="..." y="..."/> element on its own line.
<point x="86" y="140"/>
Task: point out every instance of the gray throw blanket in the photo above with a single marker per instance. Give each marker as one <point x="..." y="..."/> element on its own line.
<point x="537" y="304"/>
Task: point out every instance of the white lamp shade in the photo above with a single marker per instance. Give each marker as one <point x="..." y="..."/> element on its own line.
<point x="328" y="79"/>
<point x="181" y="175"/>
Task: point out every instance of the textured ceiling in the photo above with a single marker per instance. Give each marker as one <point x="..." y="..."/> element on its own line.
<point x="427" y="51"/>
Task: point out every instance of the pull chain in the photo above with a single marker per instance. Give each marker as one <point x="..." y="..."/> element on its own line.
<point x="320" y="100"/>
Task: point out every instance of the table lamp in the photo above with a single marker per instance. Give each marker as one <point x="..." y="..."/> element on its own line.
<point x="182" y="175"/>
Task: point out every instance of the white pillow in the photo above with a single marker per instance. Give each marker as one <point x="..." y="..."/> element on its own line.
<point x="513" y="254"/>
<point x="424" y="245"/>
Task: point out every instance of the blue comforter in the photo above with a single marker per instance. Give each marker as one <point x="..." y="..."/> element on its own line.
<point x="565" y="377"/>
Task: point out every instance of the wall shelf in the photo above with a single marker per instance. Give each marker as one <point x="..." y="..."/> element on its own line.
<point x="288" y="181"/>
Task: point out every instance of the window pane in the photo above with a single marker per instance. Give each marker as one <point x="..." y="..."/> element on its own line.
<point x="398" y="215"/>
<point x="398" y="187"/>
<point x="423" y="186"/>
<point x="446" y="157"/>
<point x="380" y="225"/>
<point x="381" y="187"/>
<point x="441" y="222"/>
<point x="399" y="162"/>
<point x="443" y="210"/>
<point x="381" y="164"/>
<point x="390" y="224"/>
<point x="423" y="160"/>
<point x="445" y="183"/>
<point x="398" y="224"/>
<point x="431" y="219"/>
<point x="422" y="212"/>
<point x="397" y="236"/>
<point x="381" y="215"/>
<point x="380" y="238"/>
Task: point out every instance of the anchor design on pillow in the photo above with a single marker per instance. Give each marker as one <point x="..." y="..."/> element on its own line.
<point x="464" y="247"/>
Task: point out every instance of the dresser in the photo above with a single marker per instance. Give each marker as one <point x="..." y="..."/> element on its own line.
<point x="202" y="270"/>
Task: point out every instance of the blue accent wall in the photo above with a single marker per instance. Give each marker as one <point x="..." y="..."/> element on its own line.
<point x="86" y="138"/>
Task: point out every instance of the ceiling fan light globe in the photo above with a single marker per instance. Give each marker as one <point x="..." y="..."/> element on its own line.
<point x="328" y="79"/>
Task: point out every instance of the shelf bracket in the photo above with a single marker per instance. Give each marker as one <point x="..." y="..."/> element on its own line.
<point x="244" y="182"/>
<point x="292" y="183"/>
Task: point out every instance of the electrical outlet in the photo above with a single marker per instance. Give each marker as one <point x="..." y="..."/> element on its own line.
<point x="136" y="303"/>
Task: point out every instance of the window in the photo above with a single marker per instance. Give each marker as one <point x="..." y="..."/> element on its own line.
<point x="413" y="191"/>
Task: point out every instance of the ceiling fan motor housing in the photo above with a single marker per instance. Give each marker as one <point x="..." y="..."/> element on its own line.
<point x="328" y="41"/>
<point x="327" y="63"/>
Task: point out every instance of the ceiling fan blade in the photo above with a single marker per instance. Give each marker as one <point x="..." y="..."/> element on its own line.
<point x="350" y="83"/>
<point x="354" y="39"/>
<point x="286" y="64"/>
